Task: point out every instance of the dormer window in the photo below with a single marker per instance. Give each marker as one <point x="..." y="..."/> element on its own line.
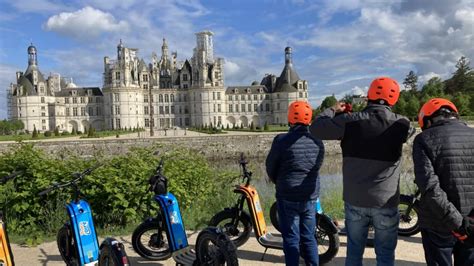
<point x="236" y="90"/>
<point x="248" y="90"/>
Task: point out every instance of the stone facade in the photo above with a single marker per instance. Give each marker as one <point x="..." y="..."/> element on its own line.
<point x="163" y="94"/>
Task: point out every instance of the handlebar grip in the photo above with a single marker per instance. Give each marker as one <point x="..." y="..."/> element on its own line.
<point x="46" y="191"/>
<point x="10" y="176"/>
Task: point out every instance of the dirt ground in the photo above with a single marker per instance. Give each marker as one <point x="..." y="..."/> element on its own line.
<point x="409" y="252"/>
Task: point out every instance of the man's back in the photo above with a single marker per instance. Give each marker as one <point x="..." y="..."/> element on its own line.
<point x="371" y="145"/>
<point x="449" y="145"/>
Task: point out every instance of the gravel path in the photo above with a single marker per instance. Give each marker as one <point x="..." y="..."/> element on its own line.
<point x="409" y="252"/>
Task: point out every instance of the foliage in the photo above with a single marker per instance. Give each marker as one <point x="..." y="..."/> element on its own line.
<point x="116" y="191"/>
<point x="328" y="102"/>
<point x="47" y="134"/>
<point x="265" y="127"/>
<point x="35" y="133"/>
<point x="8" y="127"/>
<point x="56" y="132"/>
<point x="411" y="81"/>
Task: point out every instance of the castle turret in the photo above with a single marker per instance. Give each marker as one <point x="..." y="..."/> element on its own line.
<point x="32" y="60"/>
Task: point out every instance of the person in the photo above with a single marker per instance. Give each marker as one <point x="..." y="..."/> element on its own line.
<point x="443" y="157"/>
<point x="293" y="165"/>
<point x="371" y="142"/>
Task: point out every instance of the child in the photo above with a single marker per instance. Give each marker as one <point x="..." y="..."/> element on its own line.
<point x="293" y="165"/>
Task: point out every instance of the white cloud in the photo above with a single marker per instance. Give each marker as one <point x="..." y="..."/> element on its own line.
<point x="37" y="6"/>
<point x="424" y="78"/>
<point x="85" y="23"/>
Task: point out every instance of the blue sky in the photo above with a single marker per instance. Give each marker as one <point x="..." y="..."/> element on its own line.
<point x="339" y="46"/>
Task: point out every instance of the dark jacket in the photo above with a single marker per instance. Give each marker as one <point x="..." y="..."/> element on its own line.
<point x="293" y="164"/>
<point x="444" y="172"/>
<point x="371" y="142"/>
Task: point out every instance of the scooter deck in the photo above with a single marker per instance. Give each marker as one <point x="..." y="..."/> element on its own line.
<point x="185" y="256"/>
<point x="270" y="240"/>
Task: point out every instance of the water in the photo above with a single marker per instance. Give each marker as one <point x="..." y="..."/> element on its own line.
<point x="331" y="180"/>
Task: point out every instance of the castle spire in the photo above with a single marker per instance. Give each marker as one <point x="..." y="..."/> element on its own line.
<point x="32" y="55"/>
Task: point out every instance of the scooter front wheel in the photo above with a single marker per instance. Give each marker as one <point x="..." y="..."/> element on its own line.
<point x="238" y="234"/>
<point x="408" y="225"/>
<point x="112" y="253"/>
<point x="213" y="247"/>
<point x="149" y="241"/>
<point x="67" y="247"/>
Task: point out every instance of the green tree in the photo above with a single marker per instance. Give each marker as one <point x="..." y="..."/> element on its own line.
<point x="462" y="102"/>
<point x="462" y="79"/>
<point x="400" y="106"/>
<point x="328" y="102"/>
<point x="74" y="131"/>
<point x="411" y="81"/>
<point x="56" y="131"/>
<point x="412" y="106"/>
<point x="252" y="126"/>
<point x="265" y="126"/>
<point x="35" y="133"/>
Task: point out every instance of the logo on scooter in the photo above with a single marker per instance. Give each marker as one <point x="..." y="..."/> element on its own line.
<point x="174" y="217"/>
<point x="84" y="229"/>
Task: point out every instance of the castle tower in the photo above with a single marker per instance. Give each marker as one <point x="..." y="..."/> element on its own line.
<point x="32" y="60"/>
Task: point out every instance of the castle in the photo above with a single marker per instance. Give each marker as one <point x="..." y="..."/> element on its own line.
<point x="165" y="93"/>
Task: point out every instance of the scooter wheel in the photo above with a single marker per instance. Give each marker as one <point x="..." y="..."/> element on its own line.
<point x="328" y="242"/>
<point x="408" y="225"/>
<point x="213" y="247"/>
<point x="149" y="241"/>
<point x="66" y="246"/>
<point x="274" y="216"/>
<point x="238" y="235"/>
<point x="113" y="253"/>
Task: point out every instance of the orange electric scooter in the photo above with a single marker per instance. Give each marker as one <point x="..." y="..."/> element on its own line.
<point x="6" y="255"/>
<point x="238" y="224"/>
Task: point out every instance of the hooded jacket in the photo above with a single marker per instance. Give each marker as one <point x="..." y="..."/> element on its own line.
<point x="371" y="142"/>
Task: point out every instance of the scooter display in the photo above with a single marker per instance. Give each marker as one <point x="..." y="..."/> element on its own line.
<point x="6" y="255"/>
<point x="238" y="223"/>
<point x="163" y="236"/>
<point x="328" y="240"/>
<point x="77" y="239"/>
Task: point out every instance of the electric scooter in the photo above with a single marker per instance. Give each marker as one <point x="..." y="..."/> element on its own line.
<point x="6" y="255"/>
<point x="77" y="239"/>
<point x="328" y="243"/>
<point x="163" y="236"/>
<point x="238" y="224"/>
<point x="408" y="210"/>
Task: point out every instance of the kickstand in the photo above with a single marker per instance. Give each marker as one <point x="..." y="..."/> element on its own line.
<point x="263" y="255"/>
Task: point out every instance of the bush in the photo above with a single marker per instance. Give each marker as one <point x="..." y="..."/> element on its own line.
<point x="47" y="134"/>
<point x="65" y="133"/>
<point x="116" y="191"/>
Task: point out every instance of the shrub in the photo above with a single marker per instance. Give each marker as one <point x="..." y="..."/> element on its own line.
<point x="56" y="131"/>
<point x="65" y="133"/>
<point x="47" y="134"/>
<point x="35" y="133"/>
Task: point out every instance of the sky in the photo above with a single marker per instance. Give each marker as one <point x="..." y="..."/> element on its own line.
<point x="339" y="46"/>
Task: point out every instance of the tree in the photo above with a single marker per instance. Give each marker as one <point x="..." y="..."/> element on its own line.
<point x="265" y="126"/>
<point x="56" y="131"/>
<point x="462" y="102"/>
<point x="227" y="127"/>
<point x="328" y="102"/>
<point x="35" y="132"/>
<point x="411" y="81"/>
<point x="412" y="106"/>
<point x="74" y="131"/>
<point x="91" y="132"/>
<point x="462" y="79"/>
<point x="252" y="126"/>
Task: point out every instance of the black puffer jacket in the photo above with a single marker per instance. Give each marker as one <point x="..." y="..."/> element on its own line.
<point x="293" y="164"/>
<point x="444" y="171"/>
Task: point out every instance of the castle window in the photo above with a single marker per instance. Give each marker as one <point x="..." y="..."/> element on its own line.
<point x="98" y="111"/>
<point x="267" y="107"/>
<point x="83" y="111"/>
<point x="145" y="110"/>
<point x="91" y="99"/>
<point x="167" y="109"/>
<point x="213" y="95"/>
<point x="172" y="109"/>
<point x="145" y="78"/>
<point x="230" y="108"/>
<point x="74" y="100"/>
<point x="249" y="97"/>
<point x="117" y="122"/>
<point x="147" y="122"/>
<point x="42" y="99"/>
<point x="43" y="114"/>
<point x="261" y="96"/>
<point x="230" y="97"/>
<point x="300" y="86"/>
<point x="184" y="98"/>
<point x="160" y="98"/>
<point x="267" y="97"/>
<point x="117" y="75"/>
<point x="82" y="100"/>
<point x="145" y="98"/>
<point x="43" y="121"/>
<point x="237" y="108"/>
<point x="185" y="86"/>
<point x="116" y="97"/>
<point x="255" y="107"/>
<point x="167" y="99"/>
<point x="249" y="108"/>
<point x="301" y="95"/>
<point x="278" y="106"/>
<point x="185" y="77"/>
<point x="161" y="110"/>
<point x="255" y="97"/>
<point x="91" y="111"/>
<point x="242" y="97"/>
<point x="218" y="95"/>
<point x="67" y="112"/>
<point x="117" y="110"/>
<point x="243" y="107"/>
<point x="74" y="111"/>
<point x="172" y="98"/>
<point x="145" y="86"/>
<point x="43" y="108"/>
<point x="218" y="107"/>
<point x="97" y="99"/>
<point x="261" y="107"/>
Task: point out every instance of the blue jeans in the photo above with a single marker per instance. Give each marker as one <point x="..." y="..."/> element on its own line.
<point x="385" y="222"/>
<point x="440" y="247"/>
<point x="297" y="224"/>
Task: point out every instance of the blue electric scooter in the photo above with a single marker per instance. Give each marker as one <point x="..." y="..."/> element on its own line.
<point x="77" y="239"/>
<point x="163" y="236"/>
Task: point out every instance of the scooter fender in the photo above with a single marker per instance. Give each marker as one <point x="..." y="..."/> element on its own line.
<point x="174" y="222"/>
<point x="323" y="218"/>
<point x="255" y="207"/>
<point x="6" y="255"/>
<point x="84" y="232"/>
<point x="117" y="249"/>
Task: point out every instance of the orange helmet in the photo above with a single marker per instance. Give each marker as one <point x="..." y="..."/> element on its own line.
<point x="299" y="112"/>
<point x="431" y="106"/>
<point x="384" y="88"/>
